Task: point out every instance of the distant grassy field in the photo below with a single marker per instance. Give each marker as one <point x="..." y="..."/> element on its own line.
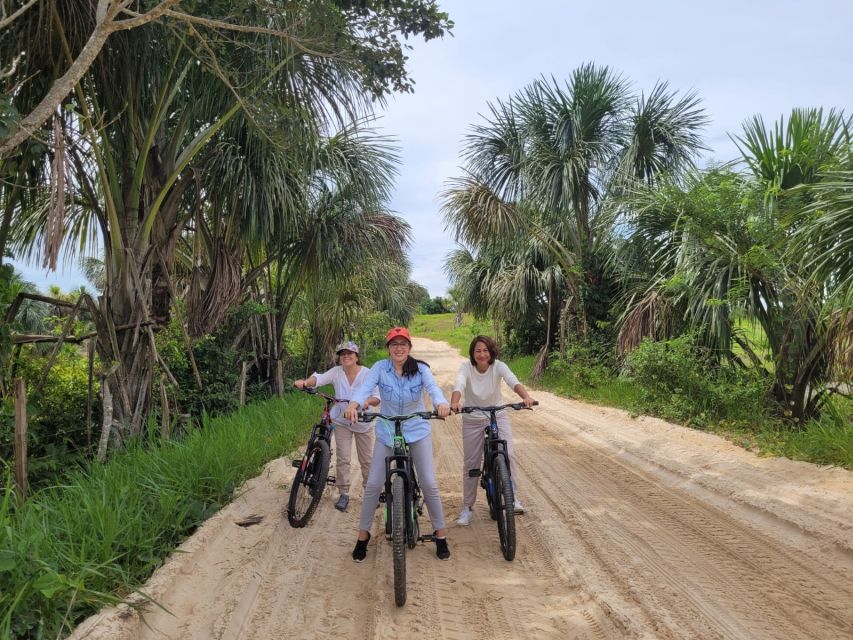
<point x="441" y="326"/>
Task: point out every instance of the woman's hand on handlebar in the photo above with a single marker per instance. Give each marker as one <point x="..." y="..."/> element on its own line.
<point x="299" y="384"/>
<point x="529" y="402"/>
<point x="351" y="412"/>
<point x="443" y="410"/>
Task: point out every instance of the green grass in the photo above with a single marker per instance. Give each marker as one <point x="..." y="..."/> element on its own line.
<point x="827" y="441"/>
<point x="441" y="326"/>
<point x="73" y="548"/>
<point x="615" y="392"/>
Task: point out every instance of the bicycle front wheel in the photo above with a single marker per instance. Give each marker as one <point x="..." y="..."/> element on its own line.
<point x="504" y="510"/>
<point x="308" y="485"/>
<point x="398" y="538"/>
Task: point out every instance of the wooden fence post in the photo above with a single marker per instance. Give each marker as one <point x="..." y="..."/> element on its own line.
<point x="164" y="412"/>
<point x="21" y="437"/>
<point x="108" y="420"/>
<point x="279" y="378"/>
<point x="243" y="383"/>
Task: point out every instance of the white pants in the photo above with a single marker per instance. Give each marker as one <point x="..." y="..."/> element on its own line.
<point x="343" y="455"/>
<point x="473" y="438"/>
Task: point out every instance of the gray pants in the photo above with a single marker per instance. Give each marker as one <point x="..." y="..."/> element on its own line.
<point x="421" y="452"/>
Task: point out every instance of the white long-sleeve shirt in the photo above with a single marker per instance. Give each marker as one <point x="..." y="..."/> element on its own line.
<point x="337" y="377"/>
<point x="483" y="389"/>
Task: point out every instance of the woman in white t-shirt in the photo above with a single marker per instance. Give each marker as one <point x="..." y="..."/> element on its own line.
<point x="479" y="380"/>
<point x="346" y="378"/>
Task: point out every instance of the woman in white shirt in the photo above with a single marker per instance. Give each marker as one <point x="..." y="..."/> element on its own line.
<point x="479" y="380"/>
<point x="346" y="378"/>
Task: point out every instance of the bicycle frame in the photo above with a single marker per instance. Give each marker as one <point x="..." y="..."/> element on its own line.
<point x="493" y="444"/>
<point x="313" y="467"/>
<point x="406" y="503"/>
<point x="496" y="477"/>
<point x="323" y="429"/>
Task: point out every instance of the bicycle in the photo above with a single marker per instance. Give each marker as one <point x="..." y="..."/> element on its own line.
<point x="496" y="478"/>
<point x="402" y="498"/>
<point x="312" y="470"/>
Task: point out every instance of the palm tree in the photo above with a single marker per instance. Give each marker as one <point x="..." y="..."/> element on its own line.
<point x="133" y="155"/>
<point x="719" y="246"/>
<point x="550" y="159"/>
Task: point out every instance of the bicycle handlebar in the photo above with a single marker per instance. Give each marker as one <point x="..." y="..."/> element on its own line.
<point x="426" y="415"/>
<point x="518" y="406"/>
<point x="314" y="392"/>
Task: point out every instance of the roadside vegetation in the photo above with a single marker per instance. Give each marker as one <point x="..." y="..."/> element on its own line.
<point x="74" y="547"/>
<point x="587" y="229"/>
<point x="666" y="379"/>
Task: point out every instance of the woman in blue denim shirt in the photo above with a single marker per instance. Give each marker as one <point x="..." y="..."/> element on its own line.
<point x="401" y="380"/>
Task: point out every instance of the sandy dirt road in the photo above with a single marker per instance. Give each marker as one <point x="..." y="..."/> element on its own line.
<point x="635" y="528"/>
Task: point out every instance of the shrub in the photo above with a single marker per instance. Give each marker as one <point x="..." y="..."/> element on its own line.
<point x="580" y="366"/>
<point x="56" y="414"/>
<point x="679" y="381"/>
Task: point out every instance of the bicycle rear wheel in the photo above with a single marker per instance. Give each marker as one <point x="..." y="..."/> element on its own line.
<point x="398" y="538"/>
<point x="309" y="484"/>
<point x="504" y="510"/>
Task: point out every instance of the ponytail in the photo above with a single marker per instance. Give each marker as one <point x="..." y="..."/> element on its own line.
<point x="410" y="366"/>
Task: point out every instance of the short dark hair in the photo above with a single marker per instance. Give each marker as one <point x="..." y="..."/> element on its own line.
<point x="491" y="345"/>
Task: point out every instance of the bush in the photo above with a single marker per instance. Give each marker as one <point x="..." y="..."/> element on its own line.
<point x="56" y="414"/>
<point x="581" y="366"/>
<point x="219" y="367"/>
<point x="679" y="381"/>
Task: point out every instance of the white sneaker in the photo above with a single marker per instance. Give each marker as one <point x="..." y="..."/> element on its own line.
<point x="465" y="516"/>
<point x="518" y="507"/>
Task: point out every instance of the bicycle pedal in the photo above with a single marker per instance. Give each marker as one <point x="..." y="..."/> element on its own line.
<point x="296" y="463"/>
<point x="382" y="498"/>
<point x="330" y="480"/>
<point x="474" y="473"/>
<point x="426" y="538"/>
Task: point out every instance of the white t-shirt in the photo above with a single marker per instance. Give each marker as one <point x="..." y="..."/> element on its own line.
<point x="483" y="389"/>
<point x="337" y="377"/>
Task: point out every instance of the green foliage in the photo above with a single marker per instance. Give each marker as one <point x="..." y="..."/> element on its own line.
<point x="828" y="440"/>
<point x="582" y="365"/>
<point x="73" y="548"/>
<point x="678" y="381"/>
<point x="436" y="305"/>
<point x="443" y="327"/>
<point x="380" y="52"/>
<point x="56" y="414"/>
<point x="219" y="367"/>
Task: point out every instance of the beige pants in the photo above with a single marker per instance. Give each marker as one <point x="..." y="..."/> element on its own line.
<point x="473" y="437"/>
<point x="343" y="454"/>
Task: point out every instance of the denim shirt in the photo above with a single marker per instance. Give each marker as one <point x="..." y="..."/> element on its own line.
<point x="399" y="396"/>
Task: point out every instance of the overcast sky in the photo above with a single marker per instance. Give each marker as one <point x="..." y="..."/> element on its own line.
<point x="742" y="57"/>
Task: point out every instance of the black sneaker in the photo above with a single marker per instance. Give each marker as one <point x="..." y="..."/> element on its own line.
<point x="360" y="551"/>
<point x="442" y="551"/>
<point x="343" y="501"/>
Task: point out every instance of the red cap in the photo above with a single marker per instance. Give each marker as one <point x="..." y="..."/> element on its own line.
<point x="396" y="332"/>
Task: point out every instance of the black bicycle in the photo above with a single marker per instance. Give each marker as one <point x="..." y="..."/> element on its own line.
<point x="496" y="478"/>
<point x="312" y="470"/>
<point x="402" y="498"/>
